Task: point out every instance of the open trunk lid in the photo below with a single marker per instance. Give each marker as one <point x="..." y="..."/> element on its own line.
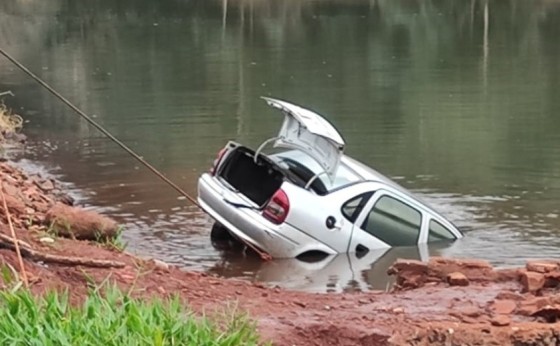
<point x="311" y="133"/>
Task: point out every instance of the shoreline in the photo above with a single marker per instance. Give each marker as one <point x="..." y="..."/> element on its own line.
<point x="440" y="302"/>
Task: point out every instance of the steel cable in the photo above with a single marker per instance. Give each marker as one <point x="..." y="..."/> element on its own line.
<point x="263" y="255"/>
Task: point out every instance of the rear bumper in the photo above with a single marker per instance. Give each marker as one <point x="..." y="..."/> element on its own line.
<point x="280" y="241"/>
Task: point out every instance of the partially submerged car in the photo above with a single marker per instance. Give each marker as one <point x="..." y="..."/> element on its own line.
<point x="310" y="198"/>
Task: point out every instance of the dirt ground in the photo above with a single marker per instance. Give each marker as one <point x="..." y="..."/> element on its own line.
<point x="441" y="302"/>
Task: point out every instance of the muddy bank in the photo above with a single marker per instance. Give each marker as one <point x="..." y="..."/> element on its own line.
<point x="441" y="302"/>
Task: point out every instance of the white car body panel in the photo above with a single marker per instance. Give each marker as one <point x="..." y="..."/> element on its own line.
<point x="307" y="227"/>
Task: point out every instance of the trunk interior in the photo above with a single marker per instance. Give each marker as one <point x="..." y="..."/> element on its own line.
<point x="256" y="180"/>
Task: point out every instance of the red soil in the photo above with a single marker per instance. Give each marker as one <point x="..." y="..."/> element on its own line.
<point x="442" y="302"/>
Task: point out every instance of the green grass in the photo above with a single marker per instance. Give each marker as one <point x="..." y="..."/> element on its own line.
<point x="113" y="243"/>
<point x="113" y="318"/>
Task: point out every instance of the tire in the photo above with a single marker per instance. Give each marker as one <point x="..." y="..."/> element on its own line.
<point x="222" y="239"/>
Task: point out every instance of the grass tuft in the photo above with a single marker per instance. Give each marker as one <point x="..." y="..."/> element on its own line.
<point x="115" y="242"/>
<point x="111" y="317"/>
<point x="9" y="122"/>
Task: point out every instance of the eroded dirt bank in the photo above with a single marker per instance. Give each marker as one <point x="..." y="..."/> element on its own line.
<point x="442" y="302"/>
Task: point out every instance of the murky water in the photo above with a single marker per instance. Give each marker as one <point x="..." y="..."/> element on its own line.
<point x="457" y="100"/>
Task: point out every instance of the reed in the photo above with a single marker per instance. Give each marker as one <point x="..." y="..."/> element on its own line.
<point x="9" y="122"/>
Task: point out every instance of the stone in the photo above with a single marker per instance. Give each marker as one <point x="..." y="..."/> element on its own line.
<point x="9" y="189"/>
<point x="541" y="266"/>
<point x="552" y="279"/>
<point x="471" y="311"/>
<point x="407" y="265"/>
<point x="473" y="270"/>
<point x="532" y="282"/>
<point x="410" y="273"/>
<point x="410" y="280"/>
<point x="503" y="307"/>
<point x="46" y="185"/>
<point x="161" y="264"/>
<point x="47" y="240"/>
<point x="457" y="279"/>
<point x="509" y="295"/>
<point x="530" y="306"/>
<point x="500" y="321"/>
<point x="551" y="313"/>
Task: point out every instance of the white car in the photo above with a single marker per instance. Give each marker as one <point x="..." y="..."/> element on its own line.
<point x="310" y="198"/>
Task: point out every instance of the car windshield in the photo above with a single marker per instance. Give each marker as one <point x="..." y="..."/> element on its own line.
<point x="343" y="175"/>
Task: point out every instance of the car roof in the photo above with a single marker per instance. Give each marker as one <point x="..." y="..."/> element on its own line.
<point x="350" y="170"/>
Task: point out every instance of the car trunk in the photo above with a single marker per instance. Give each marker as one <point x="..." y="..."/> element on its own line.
<point x="258" y="180"/>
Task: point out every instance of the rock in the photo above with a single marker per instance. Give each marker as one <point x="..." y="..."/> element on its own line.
<point x="551" y="313"/>
<point x="46" y="240"/>
<point x="410" y="273"/>
<point x="161" y="265"/>
<point x="469" y="320"/>
<point x="406" y="265"/>
<point x="503" y="307"/>
<point x="46" y="185"/>
<point x="530" y="306"/>
<point x="66" y="199"/>
<point x="532" y="282"/>
<point x="15" y="206"/>
<point x="470" y="311"/>
<point x="552" y="279"/>
<point x="79" y="223"/>
<point x="509" y="295"/>
<point x="457" y="279"/>
<point x="410" y="280"/>
<point x="9" y="189"/>
<point x="473" y="270"/>
<point x="541" y="266"/>
<point x="507" y="274"/>
<point x="500" y="321"/>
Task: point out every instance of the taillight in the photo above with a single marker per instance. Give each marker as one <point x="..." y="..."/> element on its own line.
<point x="276" y="210"/>
<point x="217" y="160"/>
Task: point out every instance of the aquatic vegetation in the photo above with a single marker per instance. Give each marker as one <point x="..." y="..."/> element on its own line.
<point x="111" y="317"/>
<point x="9" y="122"/>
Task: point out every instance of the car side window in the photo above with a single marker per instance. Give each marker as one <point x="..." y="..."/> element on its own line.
<point x="353" y="207"/>
<point x="393" y="222"/>
<point x="438" y="232"/>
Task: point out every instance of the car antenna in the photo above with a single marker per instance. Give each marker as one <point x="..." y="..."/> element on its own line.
<point x="265" y="256"/>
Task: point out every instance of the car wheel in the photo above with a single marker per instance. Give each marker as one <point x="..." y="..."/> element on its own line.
<point x="222" y="239"/>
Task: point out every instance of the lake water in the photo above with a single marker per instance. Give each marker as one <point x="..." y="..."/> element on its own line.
<point x="457" y="100"/>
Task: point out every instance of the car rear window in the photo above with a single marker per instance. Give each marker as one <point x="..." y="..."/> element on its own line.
<point x="344" y="176"/>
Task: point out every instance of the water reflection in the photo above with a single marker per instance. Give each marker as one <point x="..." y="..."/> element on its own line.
<point x="455" y="99"/>
<point x="334" y="273"/>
